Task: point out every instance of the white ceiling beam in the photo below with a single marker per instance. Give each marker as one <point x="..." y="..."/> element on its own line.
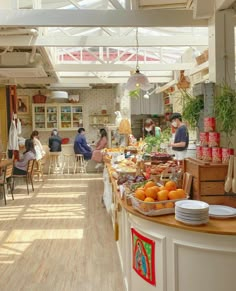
<point x="98" y="18"/>
<point x="104" y="41"/>
<point x="121" y="67"/>
<point x="223" y="4"/>
<point x="116" y="4"/>
<point x="203" y="9"/>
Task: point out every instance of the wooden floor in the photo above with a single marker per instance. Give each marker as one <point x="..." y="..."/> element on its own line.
<point x="59" y="238"/>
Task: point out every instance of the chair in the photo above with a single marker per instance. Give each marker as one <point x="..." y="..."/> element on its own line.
<point x="80" y="164"/>
<point x="67" y="163"/>
<point x="7" y="181"/>
<point x="28" y="176"/>
<point x="53" y="161"/>
<point x="38" y="168"/>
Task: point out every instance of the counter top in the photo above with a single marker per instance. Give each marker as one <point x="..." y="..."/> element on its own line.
<point x="214" y="226"/>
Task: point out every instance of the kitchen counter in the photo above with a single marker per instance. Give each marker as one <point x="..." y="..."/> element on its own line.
<point x="185" y="257"/>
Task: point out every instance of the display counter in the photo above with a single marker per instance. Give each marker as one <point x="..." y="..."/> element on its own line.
<point x="178" y="257"/>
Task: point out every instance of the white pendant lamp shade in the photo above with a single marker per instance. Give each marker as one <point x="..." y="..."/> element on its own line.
<point x="138" y="81"/>
<point x="59" y="95"/>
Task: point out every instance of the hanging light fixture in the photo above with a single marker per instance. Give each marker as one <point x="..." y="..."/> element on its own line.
<point x="138" y="80"/>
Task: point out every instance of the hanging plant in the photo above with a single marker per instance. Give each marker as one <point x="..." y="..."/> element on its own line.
<point x="192" y="107"/>
<point x="135" y="93"/>
<point x="225" y="110"/>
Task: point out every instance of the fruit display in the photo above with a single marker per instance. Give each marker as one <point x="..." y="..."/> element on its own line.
<point x="153" y="200"/>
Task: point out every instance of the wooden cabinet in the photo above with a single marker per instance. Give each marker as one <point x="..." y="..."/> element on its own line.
<point x="99" y="119"/>
<point x="208" y="180"/>
<point x="62" y="116"/>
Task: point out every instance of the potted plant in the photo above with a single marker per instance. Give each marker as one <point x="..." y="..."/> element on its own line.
<point x="156" y="141"/>
<point x="192" y="107"/>
<point x="225" y="110"/>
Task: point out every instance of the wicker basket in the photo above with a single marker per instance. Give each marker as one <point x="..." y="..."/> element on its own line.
<point x="39" y="98"/>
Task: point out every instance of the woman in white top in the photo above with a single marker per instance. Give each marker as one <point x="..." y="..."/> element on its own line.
<point x="37" y="145"/>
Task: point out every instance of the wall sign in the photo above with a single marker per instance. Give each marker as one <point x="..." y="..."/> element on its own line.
<point x="143" y="250"/>
<point x="23" y="104"/>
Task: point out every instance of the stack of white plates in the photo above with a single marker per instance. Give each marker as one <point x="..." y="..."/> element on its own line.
<point x="192" y="212"/>
<point x="222" y="211"/>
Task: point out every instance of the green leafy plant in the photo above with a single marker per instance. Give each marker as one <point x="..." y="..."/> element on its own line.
<point x="225" y="110"/>
<point x="156" y="141"/>
<point x="135" y="93"/>
<point x="192" y="107"/>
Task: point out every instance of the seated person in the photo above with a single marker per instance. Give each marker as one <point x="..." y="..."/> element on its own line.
<point x="101" y="144"/>
<point x="20" y="167"/>
<point x="81" y="146"/>
<point x="54" y="142"/>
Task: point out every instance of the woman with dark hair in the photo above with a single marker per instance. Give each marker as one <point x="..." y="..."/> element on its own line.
<point x="101" y="144"/>
<point x="37" y="145"/>
<point x="20" y="167"/>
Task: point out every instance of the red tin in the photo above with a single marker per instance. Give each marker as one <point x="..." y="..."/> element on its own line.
<point x="207" y="154"/>
<point x="226" y="152"/>
<point x="204" y="138"/>
<point x="214" y="139"/>
<point x="216" y="155"/>
<point x="209" y="124"/>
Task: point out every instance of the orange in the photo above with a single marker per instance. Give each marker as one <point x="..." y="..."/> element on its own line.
<point x="156" y="188"/>
<point x="159" y="206"/>
<point x="173" y="195"/>
<point x="140" y="194"/>
<point x="169" y="204"/>
<point x="149" y="199"/>
<point x="181" y="193"/>
<point x="162" y="188"/>
<point x="170" y="185"/>
<point x="150" y="192"/>
<point x="162" y="195"/>
<point x="149" y="184"/>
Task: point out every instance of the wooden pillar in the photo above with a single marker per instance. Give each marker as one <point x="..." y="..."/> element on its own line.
<point x="221" y="48"/>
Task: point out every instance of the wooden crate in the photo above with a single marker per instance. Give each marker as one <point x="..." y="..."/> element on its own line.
<point x="208" y="181"/>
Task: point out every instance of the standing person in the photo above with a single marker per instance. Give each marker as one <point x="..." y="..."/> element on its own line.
<point x="101" y="144"/>
<point x="20" y="167"/>
<point x="37" y="145"/>
<point x="54" y="142"/>
<point x="181" y="140"/>
<point x="81" y="146"/>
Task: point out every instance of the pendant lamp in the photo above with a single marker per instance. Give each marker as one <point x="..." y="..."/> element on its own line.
<point x="138" y="80"/>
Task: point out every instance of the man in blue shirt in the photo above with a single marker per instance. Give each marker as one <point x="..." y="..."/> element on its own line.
<point x="81" y="146"/>
<point x="181" y="140"/>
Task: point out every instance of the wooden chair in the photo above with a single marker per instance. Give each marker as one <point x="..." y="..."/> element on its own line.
<point x="80" y="164"/>
<point x="7" y="181"/>
<point x="28" y="176"/>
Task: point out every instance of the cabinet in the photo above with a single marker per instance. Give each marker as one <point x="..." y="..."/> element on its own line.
<point x="99" y="119"/>
<point x="61" y="116"/>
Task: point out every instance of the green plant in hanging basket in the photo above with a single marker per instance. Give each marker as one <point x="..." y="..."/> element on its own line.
<point x="135" y="93"/>
<point x="192" y="107"/>
<point x="225" y="110"/>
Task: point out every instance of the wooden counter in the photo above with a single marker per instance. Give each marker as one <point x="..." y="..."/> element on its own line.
<point x="185" y="257"/>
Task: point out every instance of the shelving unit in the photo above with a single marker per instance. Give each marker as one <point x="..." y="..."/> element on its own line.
<point x="61" y="116"/>
<point x="99" y="119"/>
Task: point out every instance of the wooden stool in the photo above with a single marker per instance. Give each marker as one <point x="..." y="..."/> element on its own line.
<point x="67" y="163"/>
<point x="53" y="162"/>
<point x="38" y="169"/>
<point x="80" y="164"/>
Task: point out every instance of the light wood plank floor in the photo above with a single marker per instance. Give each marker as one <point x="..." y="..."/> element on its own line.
<point x="59" y="238"/>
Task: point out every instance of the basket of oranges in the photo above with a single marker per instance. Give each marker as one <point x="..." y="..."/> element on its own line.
<point x="152" y="200"/>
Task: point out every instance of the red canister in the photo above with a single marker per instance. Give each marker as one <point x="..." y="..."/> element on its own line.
<point x="199" y="152"/>
<point x="226" y="152"/>
<point x="209" y="124"/>
<point x="214" y="139"/>
<point x="204" y="138"/>
<point x="206" y="154"/>
<point x="216" y="155"/>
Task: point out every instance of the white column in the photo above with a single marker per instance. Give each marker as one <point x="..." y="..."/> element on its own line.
<point x="221" y="48"/>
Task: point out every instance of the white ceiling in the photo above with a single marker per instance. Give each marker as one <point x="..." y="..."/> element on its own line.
<point x="89" y="42"/>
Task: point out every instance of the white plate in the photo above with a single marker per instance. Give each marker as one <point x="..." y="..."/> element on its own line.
<point x="189" y="222"/>
<point x="192" y="205"/>
<point x="191" y="217"/>
<point x="221" y="211"/>
<point x="192" y="211"/>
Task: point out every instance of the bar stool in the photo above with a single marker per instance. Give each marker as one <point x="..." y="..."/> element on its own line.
<point x="38" y="169"/>
<point x="67" y="163"/>
<point x="54" y="162"/>
<point x="80" y="164"/>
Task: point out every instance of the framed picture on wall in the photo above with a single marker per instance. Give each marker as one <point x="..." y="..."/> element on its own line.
<point x="23" y="104"/>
